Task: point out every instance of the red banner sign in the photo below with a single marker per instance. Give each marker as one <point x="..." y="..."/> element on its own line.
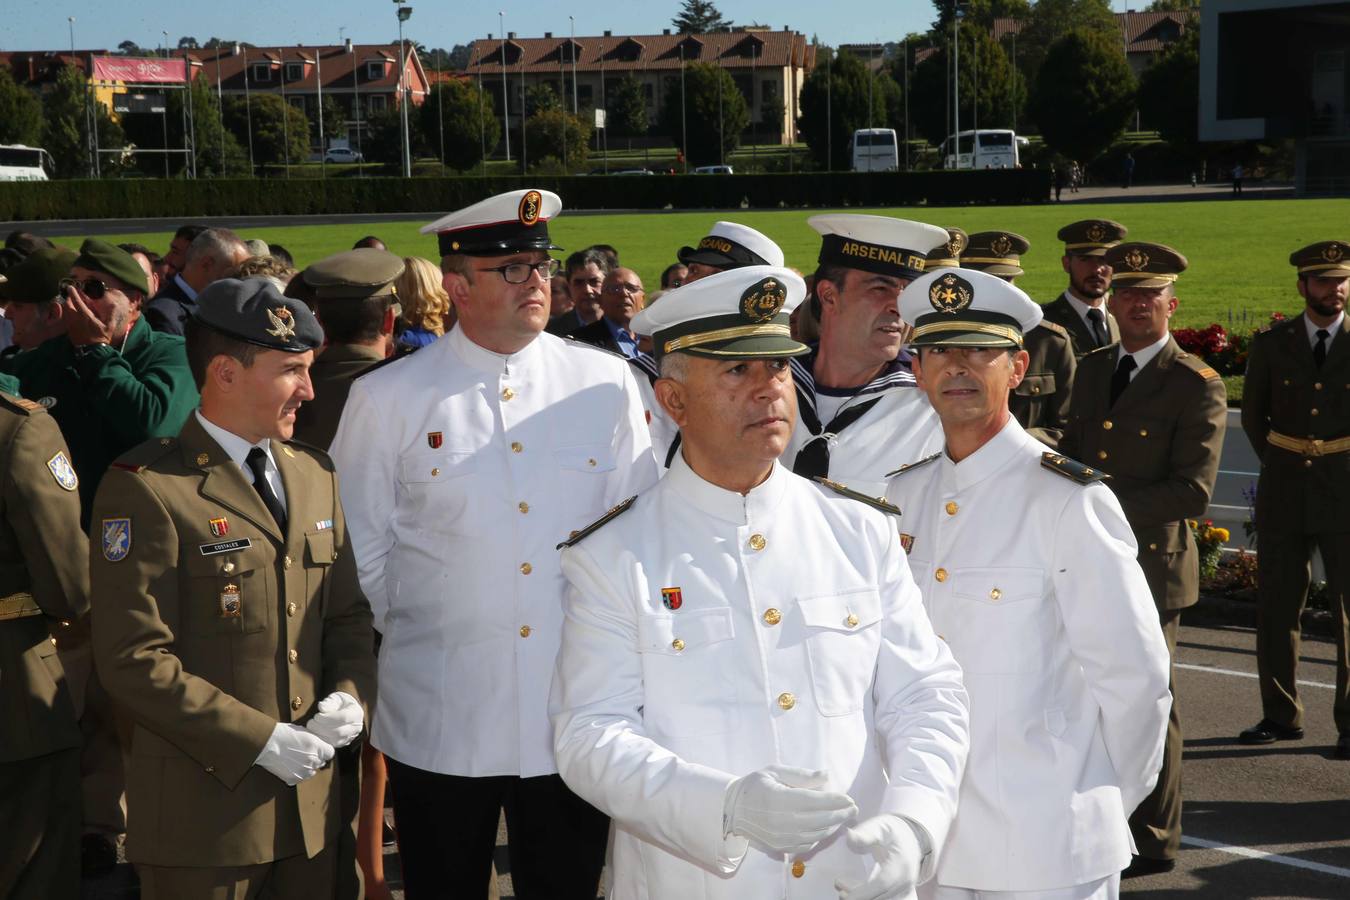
<point x="138" y="70"/>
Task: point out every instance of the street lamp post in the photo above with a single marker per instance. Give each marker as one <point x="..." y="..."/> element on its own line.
<point x="684" y="122"/>
<point x="88" y="132"/>
<point x="248" y="113"/>
<point x="220" y="111"/>
<point x="404" y="14"/>
<point x="956" y="83"/>
<point x="572" y="51"/>
<point x="506" y="107"/>
<point x="164" y="116"/>
<point x="356" y="90"/>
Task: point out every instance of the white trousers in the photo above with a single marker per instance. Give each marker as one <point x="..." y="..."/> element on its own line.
<point x="1104" y="889"/>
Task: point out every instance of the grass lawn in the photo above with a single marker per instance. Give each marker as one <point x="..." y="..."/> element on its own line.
<point x="1239" y="251"/>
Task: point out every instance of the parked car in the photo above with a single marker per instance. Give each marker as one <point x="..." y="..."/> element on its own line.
<point x="713" y="170"/>
<point x="342" y="155"/>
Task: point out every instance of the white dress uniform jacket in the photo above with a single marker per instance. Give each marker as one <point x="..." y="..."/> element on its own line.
<point x="1031" y="578"/>
<point x="463" y="469"/>
<point x="765" y="655"/>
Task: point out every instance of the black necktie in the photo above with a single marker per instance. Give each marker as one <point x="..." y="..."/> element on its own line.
<point x="814" y="459"/>
<point x="257" y="464"/>
<point x="1098" y="326"/>
<point x="1320" y="348"/>
<point x="1121" y="379"/>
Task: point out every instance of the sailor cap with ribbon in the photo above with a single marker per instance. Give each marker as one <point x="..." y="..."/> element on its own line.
<point x="878" y="244"/>
<point x="731" y="245"/>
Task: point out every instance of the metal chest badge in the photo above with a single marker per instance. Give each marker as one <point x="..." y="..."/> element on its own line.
<point x="230" y="601"/>
<point x="116" y="539"/>
<point x="672" y="598"/>
<point x="61" y="470"/>
<point x="220" y="526"/>
<point x="434" y="440"/>
<point x="950" y="294"/>
<point x="907" y="541"/>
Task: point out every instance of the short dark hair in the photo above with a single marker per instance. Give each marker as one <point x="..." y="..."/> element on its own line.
<point x="26" y="242"/>
<point x="835" y="274"/>
<point x="282" y="255"/>
<point x="145" y="251"/>
<point x="348" y="321"/>
<point x="188" y="231"/>
<point x="204" y="344"/>
<point x="665" y="274"/>
<point x="609" y="251"/>
<point x="370" y="241"/>
<point x="583" y="258"/>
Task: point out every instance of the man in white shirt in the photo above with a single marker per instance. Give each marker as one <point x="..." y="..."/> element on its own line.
<point x="1081" y="309"/>
<point x="732" y="701"/>
<point x="463" y="465"/>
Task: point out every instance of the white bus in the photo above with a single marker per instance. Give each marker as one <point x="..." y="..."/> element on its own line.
<point x="20" y="163"/>
<point x="994" y="148"/>
<point x="874" y="150"/>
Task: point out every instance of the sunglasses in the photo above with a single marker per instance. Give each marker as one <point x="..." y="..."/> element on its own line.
<point x="93" y="288"/>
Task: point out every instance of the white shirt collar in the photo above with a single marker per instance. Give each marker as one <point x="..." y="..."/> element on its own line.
<point x="486" y="361"/>
<point x="1334" y="328"/>
<point x="730" y="506"/>
<point x="1082" y="309"/>
<point x="1145" y="356"/>
<point x="234" y="446"/>
<point x="185" y="287"/>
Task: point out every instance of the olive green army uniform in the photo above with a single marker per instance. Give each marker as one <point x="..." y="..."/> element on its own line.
<point x="1301" y="502"/>
<point x="1160" y="442"/>
<point x="44" y="580"/>
<point x="1061" y="312"/>
<point x="332" y="375"/>
<point x="1040" y="403"/>
<point x="1085" y="238"/>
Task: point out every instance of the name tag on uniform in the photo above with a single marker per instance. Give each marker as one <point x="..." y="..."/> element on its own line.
<point x="226" y="546"/>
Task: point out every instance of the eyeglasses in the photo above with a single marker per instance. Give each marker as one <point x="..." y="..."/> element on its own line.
<point x="519" y="273"/>
<point x="93" y="288"/>
<point x="622" y="288"/>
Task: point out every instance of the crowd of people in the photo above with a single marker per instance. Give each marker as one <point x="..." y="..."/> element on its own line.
<point x="761" y="584"/>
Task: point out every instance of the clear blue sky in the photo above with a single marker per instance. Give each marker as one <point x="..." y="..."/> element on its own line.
<point x="42" y="25"/>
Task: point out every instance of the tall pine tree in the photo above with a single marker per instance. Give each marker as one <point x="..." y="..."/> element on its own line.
<point x="699" y="17"/>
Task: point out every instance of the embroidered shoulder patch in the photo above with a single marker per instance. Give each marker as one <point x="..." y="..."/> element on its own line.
<point x="1072" y="469"/>
<point x="116" y="539"/>
<point x="62" y="471"/>
<point x="577" y="536"/>
<point x="842" y="490"/>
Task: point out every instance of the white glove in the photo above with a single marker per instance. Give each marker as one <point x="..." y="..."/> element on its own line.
<point x="294" y="754"/>
<point x="892" y="841"/>
<point x="339" y="720"/>
<point x="783" y="809"/>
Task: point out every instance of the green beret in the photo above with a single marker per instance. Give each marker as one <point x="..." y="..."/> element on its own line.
<point x="252" y="310"/>
<point x="38" y="277"/>
<point x="100" y="256"/>
<point x="354" y="274"/>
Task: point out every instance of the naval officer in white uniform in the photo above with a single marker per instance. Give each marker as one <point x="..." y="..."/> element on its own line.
<point x="464" y="465"/>
<point x="761" y="721"/>
<point x="1027" y="568"/>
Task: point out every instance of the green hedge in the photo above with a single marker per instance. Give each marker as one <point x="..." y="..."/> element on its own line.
<point x="154" y="198"/>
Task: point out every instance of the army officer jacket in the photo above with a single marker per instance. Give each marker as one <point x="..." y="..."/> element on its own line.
<point x="210" y="626"/>
<point x="461" y="471"/>
<point x="1031" y="578"/>
<point x="702" y="644"/>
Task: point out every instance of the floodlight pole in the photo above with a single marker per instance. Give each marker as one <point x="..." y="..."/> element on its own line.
<point x="404" y="14"/>
<point x="356" y="89"/>
<point x="956" y="83"/>
<point x="684" y="121"/>
<point x="248" y="116"/>
<point x="506" y="108"/>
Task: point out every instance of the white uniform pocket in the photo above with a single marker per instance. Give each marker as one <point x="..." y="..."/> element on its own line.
<point x="999" y="621"/>
<point x="685" y="665"/>
<point x="843" y="633"/>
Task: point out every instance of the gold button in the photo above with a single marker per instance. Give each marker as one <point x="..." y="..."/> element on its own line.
<point x="203" y="459"/>
<point x="572" y="534"/>
<point x="786" y="700"/>
<point x="1143" y="432"/>
<point x="1317" y="386"/>
<point x="1307" y="464"/>
<point x="523" y="506"/>
<point x="591" y="463"/>
<point x="291" y="608"/>
<point x="772" y="616"/>
<point x="951" y="508"/>
<point x="507" y="393"/>
<point x="517" y="447"/>
<point x="940" y="574"/>
<point x="1101" y="454"/>
<point x="435" y="472"/>
<point x="287" y="562"/>
<point x="1088" y="471"/>
<point x="227" y="568"/>
<point x="677" y="645"/>
<point x="336" y="553"/>
<point x="1153" y="546"/>
<point x="293" y="655"/>
<point x="1108" y="425"/>
<point x="1313" y="411"/>
<point x="296" y="703"/>
<point x="798" y="868"/>
<point x="53" y="640"/>
<point x="942" y="637"/>
<point x="757" y="542"/>
<point x="164" y="442"/>
<point x="1286" y="382"/>
<point x="524" y="631"/>
<point x="852" y="620"/>
<point x="995" y="594"/>
<point x="210" y="770"/>
<point x="526" y="568"/>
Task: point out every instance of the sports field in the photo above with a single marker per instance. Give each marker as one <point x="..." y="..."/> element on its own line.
<point x="1239" y="251"/>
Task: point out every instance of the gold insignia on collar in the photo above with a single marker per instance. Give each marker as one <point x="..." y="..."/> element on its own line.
<point x="1136" y="260"/>
<point x="1002" y="245"/>
<point x="1096" y="233"/>
<point x="950" y="294"/>
<point x="1333" y="253"/>
<point x="763" y="300"/>
<point x="530" y="205"/>
<point x="282" y="326"/>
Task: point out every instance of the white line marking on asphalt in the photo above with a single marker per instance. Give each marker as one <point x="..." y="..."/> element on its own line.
<point x="1216" y="669"/>
<point x="1238" y="472"/>
<point x="1280" y="858"/>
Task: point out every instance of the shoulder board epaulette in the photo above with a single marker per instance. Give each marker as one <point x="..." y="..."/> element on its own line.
<point x="403" y="352"/>
<point x="880" y="503"/>
<point x="914" y="465"/>
<point x="127" y="467"/>
<point x="1197" y="365"/>
<point x="1098" y="350"/>
<point x="1055" y="327"/>
<point x="577" y="536"/>
<point x="21" y="405"/>
<point x="1072" y="469"/>
<point x="142" y="456"/>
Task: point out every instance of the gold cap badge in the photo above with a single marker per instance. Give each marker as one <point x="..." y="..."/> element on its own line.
<point x="763" y="300"/>
<point x="530" y="205"/>
<point x="950" y="294"/>
<point x="1137" y="260"/>
<point x="282" y="326"/>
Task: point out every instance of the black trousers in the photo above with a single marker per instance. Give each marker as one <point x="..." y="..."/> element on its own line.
<point x="447" y="829"/>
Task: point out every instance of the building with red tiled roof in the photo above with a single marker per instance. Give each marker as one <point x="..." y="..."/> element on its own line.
<point x="768" y="67"/>
<point x="1143" y="35"/>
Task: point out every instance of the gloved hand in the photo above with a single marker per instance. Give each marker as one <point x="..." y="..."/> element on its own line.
<point x="782" y="808"/>
<point x="894" y="844"/>
<point x="339" y="720"/>
<point x="294" y="754"/>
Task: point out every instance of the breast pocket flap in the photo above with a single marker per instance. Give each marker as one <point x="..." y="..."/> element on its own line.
<point x="845" y="611"/>
<point x="593" y="458"/>
<point x="684" y="632"/>
<point x="997" y="585"/>
<point x="434" y="468"/>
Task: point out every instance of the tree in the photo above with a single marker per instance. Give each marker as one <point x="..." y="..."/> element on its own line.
<point x="715" y="114"/>
<point x="206" y="132"/>
<point x="1084" y="94"/>
<point x="129" y="48"/>
<point x="383" y="140"/>
<point x="626" y="115"/>
<point x="699" y="17"/>
<point x="187" y="42"/>
<point x="1052" y="19"/>
<point x="272" y="142"/>
<point x="548" y="130"/>
<point x="993" y="102"/>
<point x="1169" y="91"/>
<point x="334" y="121"/>
<point x="65" y="132"/>
<point x="20" y="112"/>
<point x="1174" y="6"/>
<point x="540" y="97"/>
<point x="980" y="12"/>
<point x="841" y="86"/>
<point x="464" y="110"/>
